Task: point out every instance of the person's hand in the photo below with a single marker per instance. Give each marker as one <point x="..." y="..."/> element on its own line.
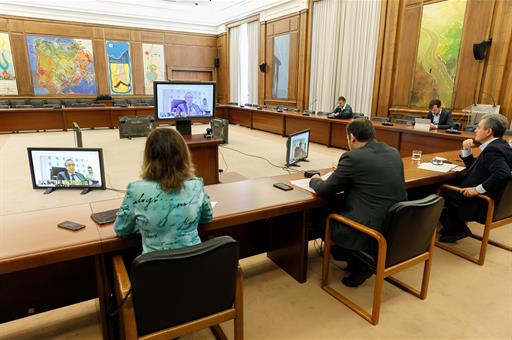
<point x="467" y="144"/>
<point x="469" y="192"/>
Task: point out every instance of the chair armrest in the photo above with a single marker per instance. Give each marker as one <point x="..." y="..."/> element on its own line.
<point x="121" y="278"/>
<point x="458" y="189"/>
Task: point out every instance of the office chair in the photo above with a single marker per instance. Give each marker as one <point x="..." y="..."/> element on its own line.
<point x="499" y="213"/>
<point x="407" y="239"/>
<point x="380" y="119"/>
<point x="179" y="291"/>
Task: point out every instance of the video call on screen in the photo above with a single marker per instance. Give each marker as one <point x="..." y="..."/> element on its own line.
<point x="66" y="168"/>
<point x="184" y="100"/>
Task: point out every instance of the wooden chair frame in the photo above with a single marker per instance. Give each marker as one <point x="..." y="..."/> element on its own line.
<point x="381" y="272"/>
<point x="488" y="226"/>
<point x="128" y="324"/>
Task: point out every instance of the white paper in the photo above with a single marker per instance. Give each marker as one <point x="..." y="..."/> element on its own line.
<point x="304" y="183"/>
<point x="439" y="168"/>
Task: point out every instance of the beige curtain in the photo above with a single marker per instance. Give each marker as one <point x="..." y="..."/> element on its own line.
<point x="344" y="49"/>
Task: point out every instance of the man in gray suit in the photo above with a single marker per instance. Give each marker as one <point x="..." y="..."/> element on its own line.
<point x="371" y="177"/>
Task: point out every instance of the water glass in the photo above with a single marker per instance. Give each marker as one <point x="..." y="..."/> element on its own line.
<point x="416" y="155"/>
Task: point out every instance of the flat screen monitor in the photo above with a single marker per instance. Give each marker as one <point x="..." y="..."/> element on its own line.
<point x="297" y="147"/>
<point x="66" y="168"/>
<point x="78" y="135"/>
<point x="184" y="100"/>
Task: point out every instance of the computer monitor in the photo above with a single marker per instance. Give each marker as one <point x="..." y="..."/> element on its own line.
<point x="181" y="101"/>
<point x="66" y="168"/>
<point x="297" y="147"/>
<point x="78" y="135"/>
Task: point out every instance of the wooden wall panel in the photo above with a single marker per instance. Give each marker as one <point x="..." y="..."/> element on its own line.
<point x="406" y="55"/>
<point x="469" y="72"/>
<point x="190" y="55"/>
<point x="21" y="64"/>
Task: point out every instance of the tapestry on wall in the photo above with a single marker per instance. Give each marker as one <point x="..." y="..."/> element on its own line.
<point x="438" y="52"/>
<point x="61" y="65"/>
<point x="119" y="67"/>
<point x="154" y="65"/>
<point x="7" y="75"/>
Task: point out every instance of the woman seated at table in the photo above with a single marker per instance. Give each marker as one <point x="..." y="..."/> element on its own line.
<point x="169" y="202"/>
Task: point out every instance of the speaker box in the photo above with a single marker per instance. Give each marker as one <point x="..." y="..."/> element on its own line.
<point x="135" y="126"/>
<point x="480" y="49"/>
<point x="220" y="129"/>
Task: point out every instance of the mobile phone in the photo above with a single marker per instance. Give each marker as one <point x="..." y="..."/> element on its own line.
<point x="283" y="186"/>
<point x="70" y="225"/>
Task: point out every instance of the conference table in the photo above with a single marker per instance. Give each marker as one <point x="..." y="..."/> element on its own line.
<point x="43" y="267"/>
<point x="331" y="132"/>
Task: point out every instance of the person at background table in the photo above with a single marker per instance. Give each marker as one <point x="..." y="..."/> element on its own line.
<point x="488" y="174"/>
<point x="342" y="111"/>
<point x="371" y="176"/>
<point x="439" y="118"/>
<point x="169" y="202"/>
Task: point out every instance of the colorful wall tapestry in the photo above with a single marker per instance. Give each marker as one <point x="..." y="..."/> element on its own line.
<point x="61" y="65"/>
<point x="154" y="65"/>
<point x="7" y="75"/>
<point x="119" y="67"/>
<point x="438" y="52"/>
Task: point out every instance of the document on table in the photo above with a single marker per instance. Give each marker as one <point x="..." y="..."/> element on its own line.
<point x="304" y="183"/>
<point x="439" y="168"/>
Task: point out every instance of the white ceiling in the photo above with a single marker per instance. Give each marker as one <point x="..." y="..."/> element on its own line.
<point x="203" y="16"/>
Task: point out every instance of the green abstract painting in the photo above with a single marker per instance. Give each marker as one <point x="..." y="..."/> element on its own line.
<point x="438" y="52"/>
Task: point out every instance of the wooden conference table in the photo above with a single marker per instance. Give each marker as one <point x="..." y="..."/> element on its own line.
<point x="43" y="267"/>
<point x="331" y="132"/>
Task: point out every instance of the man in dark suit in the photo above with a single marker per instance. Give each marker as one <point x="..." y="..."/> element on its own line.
<point x="439" y="118"/>
<point x="371" y="177"/>
<point x="342" y="111"/>
<point x="71" y="174"/>
<point x="486" y="174"/>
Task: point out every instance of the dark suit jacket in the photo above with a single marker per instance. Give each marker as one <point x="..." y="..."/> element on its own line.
<point x="64" y="175"/>
<point x="343" y="113"/>
<point x="445" y="119"/>
<point x="372" y="179"/>
<point x="492" y="168"/>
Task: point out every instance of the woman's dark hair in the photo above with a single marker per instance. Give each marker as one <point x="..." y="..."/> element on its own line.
<point x="362" y="129"/>
<point x="167" y="159"/>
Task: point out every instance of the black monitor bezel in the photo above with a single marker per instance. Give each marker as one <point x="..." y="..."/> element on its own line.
<point x="102" y="168"/>
<point x="288" y="146"/>
<point x="155" y="94"/>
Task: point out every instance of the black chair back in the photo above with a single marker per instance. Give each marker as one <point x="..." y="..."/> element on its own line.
<point x="409" y="227"/>
<point x="503" y="203"/>
<point x="171" y="287"/>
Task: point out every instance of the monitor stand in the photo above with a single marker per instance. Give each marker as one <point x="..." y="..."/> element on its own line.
<point x="85" y="191"/>
<point x="49" y="191"/>
<point x="184" y="127"/>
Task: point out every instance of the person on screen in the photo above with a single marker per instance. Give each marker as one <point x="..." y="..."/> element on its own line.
<point x="70" y="174"/>
<point x="204" y="106"/>
<point x="188" y="107"/>
<point x="342" y="111"/>
<point x="371" y="177"/>
<point x="169" y="203"/>
<point x="439" y="118"/>
<point x="487" y="174"/>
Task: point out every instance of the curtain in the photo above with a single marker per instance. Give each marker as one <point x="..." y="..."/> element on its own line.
<point x="253" y="67"/>
<point x="234" y="64"/>
<point x="343" y="53"/>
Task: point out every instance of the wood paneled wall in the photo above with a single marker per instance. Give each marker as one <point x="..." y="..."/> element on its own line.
<point x="475" y="79"/>
<point x="187" y="55"/>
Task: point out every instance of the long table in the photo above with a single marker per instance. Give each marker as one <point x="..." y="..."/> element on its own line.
<point x="44" y="267"/>
<point x="62" y="118"/>
<point x="331" y="132"/>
